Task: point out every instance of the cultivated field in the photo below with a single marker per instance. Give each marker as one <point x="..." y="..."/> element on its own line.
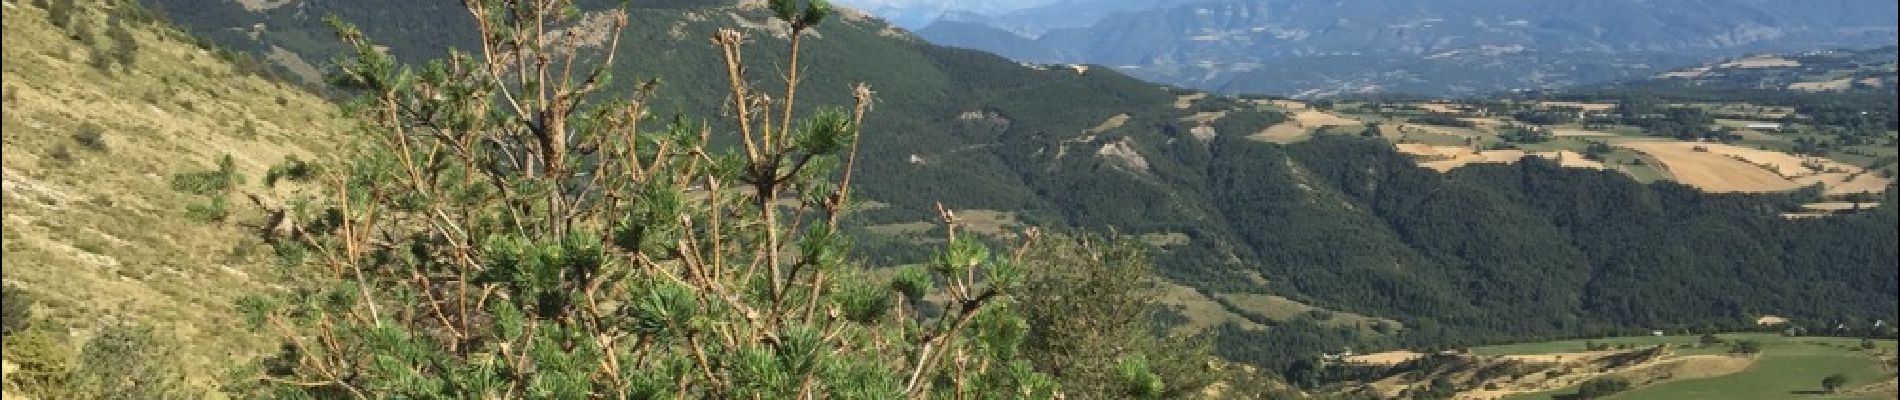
<point x="1302" y="122"/>
<point x="1447" y="158"/>
<point x="1579" y="105"/>
<point x="1762" y="62"/>
<point x="1278" y="308"/>
<point x="1187" y="100"/>
<point x="1571" y="132"/>
<point x="1837" y="84"/>
<point x="1691" y="73"/>
<point x="1720" y="167"/>
<point x="1710" y="171"/>
<point x="1788" y="367"/>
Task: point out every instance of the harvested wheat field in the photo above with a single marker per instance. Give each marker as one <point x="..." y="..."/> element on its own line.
<point x="1762" y="62"/>
<point x="1569" y="132"/>
<point x="1302" y="121"/>
<point x="1579" y="105"/>
<point x="1837" y="84"/>
<point x="1798" y="171"/>
<point x="1388" y="358"/>
<point x="1447" y="158"/>
<point x="1321" y="118"/>
<point x="1441" y="108"/>
<point x="1694" y="164"/>
<point x="1483" y="121"/>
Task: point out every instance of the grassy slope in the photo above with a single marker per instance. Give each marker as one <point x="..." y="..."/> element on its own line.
<point x="1788" y="367"/>
<point x="99" y="235"/>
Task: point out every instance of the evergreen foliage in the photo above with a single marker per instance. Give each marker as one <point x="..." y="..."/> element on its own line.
<point x="1090" y="323"/>
<point x="499" y="235"/>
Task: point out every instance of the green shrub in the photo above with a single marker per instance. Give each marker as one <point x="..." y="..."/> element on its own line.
<point x="217" y="209"/>
<point x="1602" y="387"/>
<point x="126" y="361"/>
<point x="293" y="169"/>
<point x="43" y="360"/>
<point x="212" y="182"/>
<point x="60" y="12"/>
<point x="16" y="307"/>
<point x="90" y="136"/>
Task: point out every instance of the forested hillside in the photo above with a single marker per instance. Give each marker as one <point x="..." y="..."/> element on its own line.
<point x="1486" y="253"/>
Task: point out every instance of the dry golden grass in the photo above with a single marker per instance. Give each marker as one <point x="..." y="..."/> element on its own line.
<point x="1389" y="358"/>
<point x="1202" y="312"/>
<point x="1109" y="124"/>
<point x="1286" y="104"/>
<point x="1285" y="132"/>
<point x="99" y="234"/>
<point x="1205" y="117"/>
<point x="1281" y="309"/>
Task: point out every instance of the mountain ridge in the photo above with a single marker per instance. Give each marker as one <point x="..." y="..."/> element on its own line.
<point x="1323" y="48"/>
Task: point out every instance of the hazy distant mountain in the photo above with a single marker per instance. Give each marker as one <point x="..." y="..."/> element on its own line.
<point x="1312" y="47"/>
<point x="1035" y="21"/>
<point x="918" y="13"/>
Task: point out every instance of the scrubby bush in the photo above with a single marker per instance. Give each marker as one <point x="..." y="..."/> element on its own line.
<point x="90" y="136"/>
<point x="213" y="182"/>
<point x="126" y="361"/>
<point x="1602" y="387"/>
<point x="16" y="307"/>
